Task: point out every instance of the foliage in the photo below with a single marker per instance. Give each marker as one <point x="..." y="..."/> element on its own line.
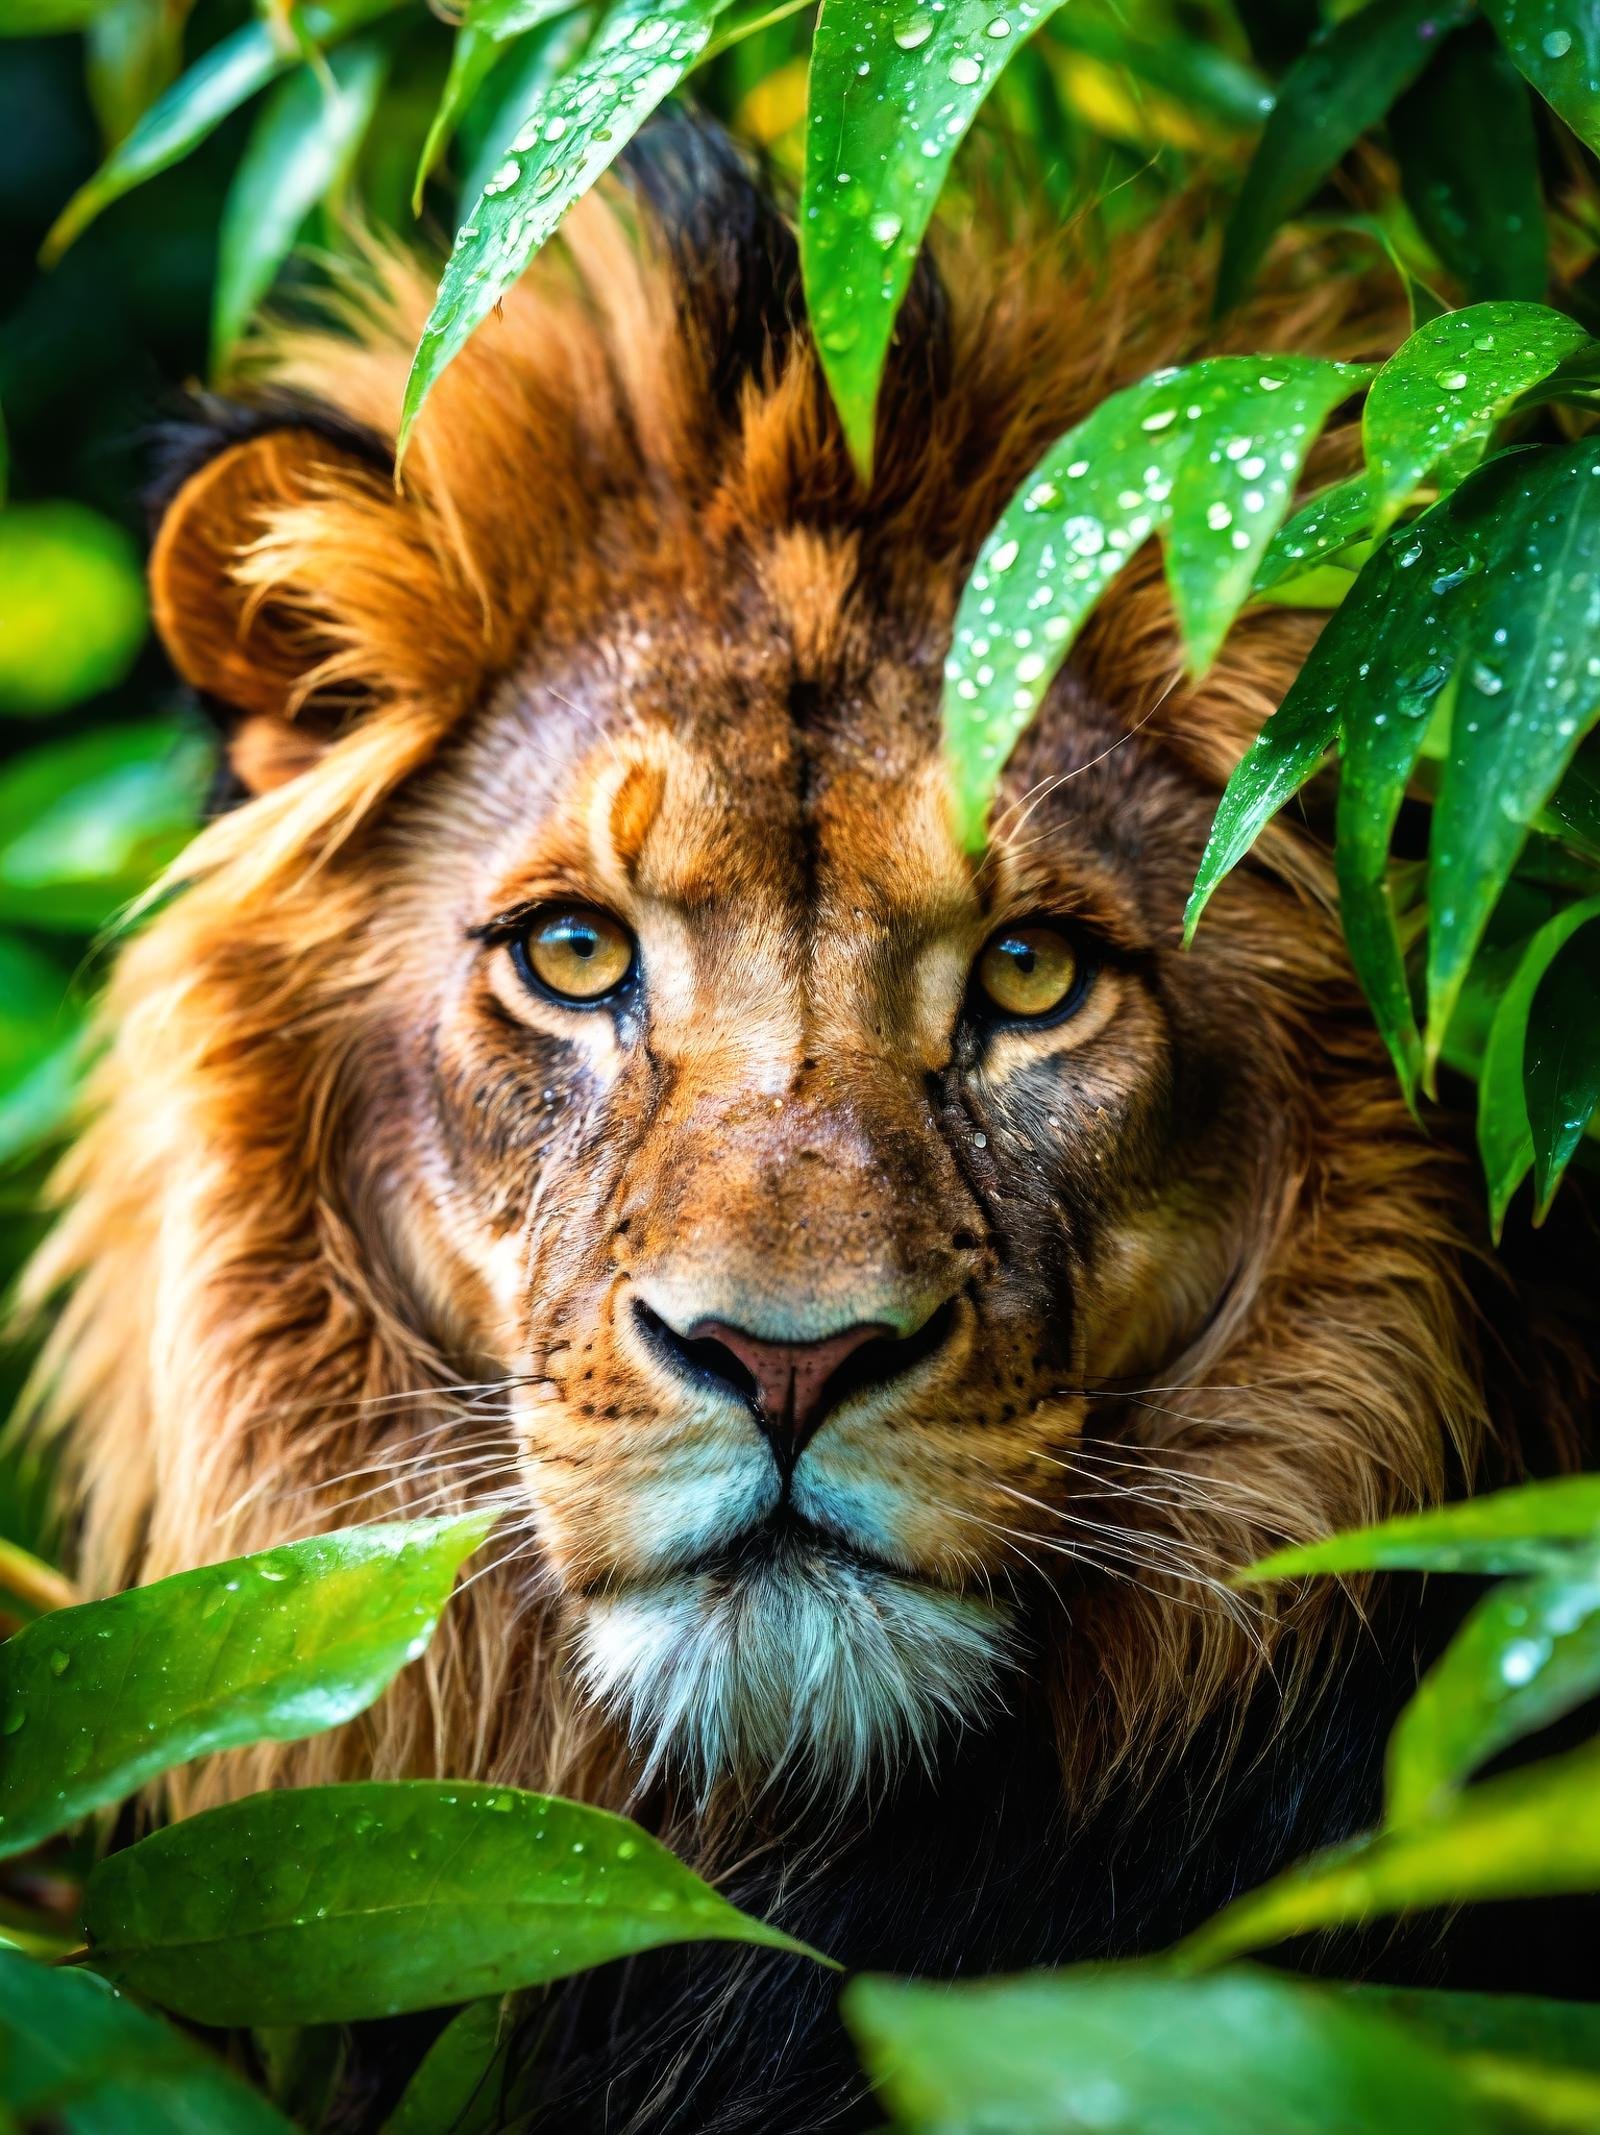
<point x="1457" y="683"/>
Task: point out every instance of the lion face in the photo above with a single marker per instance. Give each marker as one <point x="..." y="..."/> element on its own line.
<point x="803" y="1178"/>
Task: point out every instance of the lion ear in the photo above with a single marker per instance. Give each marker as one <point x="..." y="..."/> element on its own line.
<point x="241" y="624"/>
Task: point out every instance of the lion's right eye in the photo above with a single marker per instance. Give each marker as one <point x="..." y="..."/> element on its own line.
<point x="574" y="952"/>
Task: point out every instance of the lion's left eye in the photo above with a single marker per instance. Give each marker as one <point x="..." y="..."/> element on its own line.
<point x="574" y="952"/>
<point x="1030" y="971"/>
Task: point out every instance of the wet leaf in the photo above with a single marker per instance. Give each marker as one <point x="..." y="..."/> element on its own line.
<point x="1531" y="690"/>
<point x="226" y="76"/>
<point x="86" y="824"/>
<point x="1483" y="214"/>
<point x="1556" y="43"/>
<point x="1135" y="2050"/>
<point x="1505" y="1133"/>
<point x="1561" y="1061"/>
<point x="1330" y="521"/>
<point x="96" y="1701"/>
<point x="74" y="607"/>
<point x="1209" y="455"/>
<point x="336" y="1904"/>
<point x="514" y="93"/>
<point x="1529" y="1652"/>
<point x="1528" y="1529"/>
<point x="1343" y="83"/>
<point x="77" y="2059"/>
<point x="299" y="152"/>
<point x="1445" y="389"/>
<point x="1532" y="1833"/>
<point x="895" y="85"/>
<point x="457" y="2089"/>
<point x="641" y="51"/>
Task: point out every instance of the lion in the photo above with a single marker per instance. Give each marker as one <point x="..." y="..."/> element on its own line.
<point x="886" y="1294"/>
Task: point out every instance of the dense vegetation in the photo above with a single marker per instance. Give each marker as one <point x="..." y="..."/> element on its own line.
<point x="1457" y="679"/>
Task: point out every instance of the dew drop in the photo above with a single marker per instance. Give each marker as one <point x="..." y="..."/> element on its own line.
<point x="999" y="27"/>
<point x="916" y="31"/>
<point x="964" y="71"/>
<point x="1004" y="556"/>
<point x="1160" y="419"/>
<point x="1452" y="381"/>
<point x="1556" y="43"/>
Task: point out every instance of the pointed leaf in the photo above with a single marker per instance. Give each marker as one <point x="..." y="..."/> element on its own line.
<point x="1240" y="425"/>
<point x="1532" y="1833"/>
<point x="514" y="94"/>
<point x="895" y="85"/>
<point x="96" y="1701"/>
<point x="1482" y="214"/>
<point x="1505" y="1133"/>
<point x="228" y="75"/>
<point x="1332" y="519"/>
<point x="472" y="56"/>
<point x="1556" y="43"/>
<point x="1531" y="691"/>
<point x="457" y="2089"/>
<point x="1444" y="390"/>
<point x="1529" y="1652"/>
<point x="1342" y="84"/>
<point x="1562" y="1060"/>
<point x="1136" y="2050"/>
<point x="1528" y="1529"/>
<point x="640" y="53"/>
<point x="299" y="151"/>
<point x="336" y="1904"/>
<point x="80" y="2059"/>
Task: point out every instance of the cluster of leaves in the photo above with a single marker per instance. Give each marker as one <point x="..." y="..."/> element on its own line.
<point x="287" y="1915"/>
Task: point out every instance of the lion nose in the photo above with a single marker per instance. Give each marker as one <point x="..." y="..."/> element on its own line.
<point x="793" y="1384"/>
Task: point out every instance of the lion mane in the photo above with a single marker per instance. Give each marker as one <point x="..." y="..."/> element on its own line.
<point x="241" y="1352"/>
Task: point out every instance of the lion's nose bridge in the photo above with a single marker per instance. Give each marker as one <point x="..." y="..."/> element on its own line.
<point x="792" y="1214"/>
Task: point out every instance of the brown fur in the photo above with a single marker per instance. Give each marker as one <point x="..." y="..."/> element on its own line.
<point x="567" y="658"/>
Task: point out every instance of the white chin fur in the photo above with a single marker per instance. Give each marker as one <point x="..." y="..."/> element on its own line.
<point x="832" y="1670"/>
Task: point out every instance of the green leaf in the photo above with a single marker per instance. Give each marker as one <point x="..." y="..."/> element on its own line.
<point x="1210" y="454"/>
<point x="1340" y="86"/>
<point x="1529" y="1652"/>
<point x="1527" y="1529"/>
<point x="336" y="1904"/>
<point x="472" y="57"/>
<point x="456" y="2091"/>
<point x="78" y="2059"/>
<point x="1556" y="43"/>
<point x="1135" y="2050"/>
<point x="1192" y="70"/>
<point x="1562" y="1060"/>
<point x="97" y="1700"/>
<point x="1532" y="689"/>
<point x="640" y="53"/>
<point x="1556" y="2034"/>
<point x="1445" y="389"/>
<point x="86" y="824"/>
<point x="1532" y="1833"/>
<point x="895" y="85"/>
<point x="1482" y="214"/>
<point x="47" y="18"/>
<point x="74" y="607"/>
<point x="300" y="150"/>
<point x="1330" y="521"/>
<point x="515" y="93"/>
<point x="225" y="77"/>
<point x="40" y="1038"/>
<point x="1505" y="1133"/>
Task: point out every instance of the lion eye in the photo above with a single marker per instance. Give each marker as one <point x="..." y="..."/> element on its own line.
<point x="574" y="952"/>
<point x="1029" y="970"/>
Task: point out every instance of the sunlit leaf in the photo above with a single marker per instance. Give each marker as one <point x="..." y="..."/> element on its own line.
<point x="223" y="78"/>
<point x="299" y="151"/>
<point x="1328" y="522"/>
<point x="457" y="2089"/>
<point x="1505" y="1133"/>
<point x="77" y="2059"/>
<point x="514" y="93"/>
<point x="1556" y="43"/>
<point x="1342" y="84"/>
<point x="1529" y="1652"/>
<point x="1135" y="2050"/>
<point x="895" y="84"/>
<point x="1194" y="72"/>
<point x="86" y="824"/>
<point x="1532" y="1833"/>
<point x="97" y="1700"/>
<point x="1482" y="214"/>
<point x="1530" y="692"/>
<point x="335" y="1904"/>
<point x="640" y="53"/>
<point x="1528" y="1529"/>
<point x="74" y="615"/>
<point x="1210" y="455"/>
<point x="1561" y="1060"/>
<point x="1444" y="391"/>
<point x="47" y="18"/>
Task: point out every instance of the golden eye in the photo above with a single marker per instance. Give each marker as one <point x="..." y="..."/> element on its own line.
<point x="1029" y="970"/>
<point x="574" y="952"/>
